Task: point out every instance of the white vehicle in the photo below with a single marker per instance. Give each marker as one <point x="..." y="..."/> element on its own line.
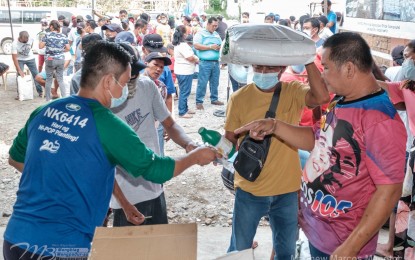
<point x="28" y="19"/>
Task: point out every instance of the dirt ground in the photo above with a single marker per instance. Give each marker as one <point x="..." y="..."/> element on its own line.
<point x="197" y="195"/>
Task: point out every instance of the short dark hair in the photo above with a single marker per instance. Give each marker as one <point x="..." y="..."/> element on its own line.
<point x="292" y="18"/>
<point x="284" y="22"/>
<point x="212" y="19"/>
<point x="328" y="2"/>
<point x="105" y="58"/>
<point x="245" y="13"/>
<point x="55" y="24"/>
<point x="123" y="11"/>
<point x="268" y="17"/>
<point x="140" y="23"/>
<point x="145" y="17"/>
<point x="349" y="47"/>
<point x="323" y="19"/>
<point x="92" y="24"/>
<point x="315" y="23"/>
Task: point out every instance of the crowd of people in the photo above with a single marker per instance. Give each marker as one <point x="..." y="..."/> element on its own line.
<point x="338" y="141"/>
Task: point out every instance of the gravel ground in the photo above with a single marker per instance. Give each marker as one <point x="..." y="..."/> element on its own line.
<point x="197" y="195"/>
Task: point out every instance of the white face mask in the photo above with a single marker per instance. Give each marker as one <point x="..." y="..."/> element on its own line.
<point x="265" y="81"/>
<point x="193" y="23"/>
<point x="115" y="102"/>
<point x="308" y="32"/>
<point x="163" y="21"/>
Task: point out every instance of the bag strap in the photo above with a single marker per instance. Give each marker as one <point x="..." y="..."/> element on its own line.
<point x="271" y="113"/>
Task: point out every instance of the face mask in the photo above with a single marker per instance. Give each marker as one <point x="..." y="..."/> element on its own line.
<point x="265" y="81"/>
<point x="115" y="102"/>
<point x="111" y="39"/>
<point x="298" y="68"/>
<point x="163" y="21"/>
<point x="308" y="32"/>
<point x="408" y="69"/>
<point x="194" y="23"/>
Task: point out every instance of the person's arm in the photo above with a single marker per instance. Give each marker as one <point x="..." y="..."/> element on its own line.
<point x="16" y="64"/>
<point x="201" y="156"/>
<point x="97" y="14"/>
<point x="42" y="44"/>
<point x="375" y="215"/>
<point x="67" y="47"/>
<point x="169" y="102"/>
<point x="177" y="134"/>
<point x="318" y="93"/>
<point x="131" y="212"/>
<point x="201" y="47"/>
<point x="17" y="165"/>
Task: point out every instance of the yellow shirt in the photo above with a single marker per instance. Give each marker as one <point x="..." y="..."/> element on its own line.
<point x="282" y="172"/>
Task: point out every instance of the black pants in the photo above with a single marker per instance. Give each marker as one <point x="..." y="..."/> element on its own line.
<point x="155" y="208"/>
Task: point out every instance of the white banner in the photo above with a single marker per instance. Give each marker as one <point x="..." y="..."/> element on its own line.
<point x="393" y="29"/>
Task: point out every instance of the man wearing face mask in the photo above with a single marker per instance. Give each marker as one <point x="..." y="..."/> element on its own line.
<point x="164" y="29"/>
<point x="111" y="31"/>
<point x="22" y="55"/>
<point x="311" y="27"/>
<point x="134" y="198"/>
<point x="274" y="193"/>
<point x="76" y="192"/>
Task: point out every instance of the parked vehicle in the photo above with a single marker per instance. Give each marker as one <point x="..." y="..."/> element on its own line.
<point x="28" y="19"/>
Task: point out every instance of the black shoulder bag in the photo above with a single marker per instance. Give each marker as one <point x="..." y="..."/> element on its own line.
<point x="252" y="154"/>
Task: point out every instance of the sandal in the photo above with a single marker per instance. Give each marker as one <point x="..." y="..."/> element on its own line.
<point x="187" y="115"/>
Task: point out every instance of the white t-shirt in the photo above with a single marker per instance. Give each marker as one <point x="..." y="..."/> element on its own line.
<point x="394" y="74"/>
<point x="140" y="112"/>
<point x="325" y="33"/>
<point x="181" y="65"/>
<point x="23" y="50"/>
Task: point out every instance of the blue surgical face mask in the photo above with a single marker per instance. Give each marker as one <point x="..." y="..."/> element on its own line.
<point x="408" y="69"/>
<point x="265" y="81"/>
<point x="298" y="68"/>
<point x="115" y="102"/>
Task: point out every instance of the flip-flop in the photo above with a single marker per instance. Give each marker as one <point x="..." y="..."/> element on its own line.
<point x="219" y="113"/>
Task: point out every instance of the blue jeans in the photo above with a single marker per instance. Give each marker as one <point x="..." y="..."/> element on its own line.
<point x="235" y="84"/>
<point x="185" y="87"/>
<point x="160" y="132"/>
<point x="303" y="157"/>
<point x="31" y="64"/>
<point x="209" y="71"/>
<point x="282" y="211"/>
<point x="50" y="67"/>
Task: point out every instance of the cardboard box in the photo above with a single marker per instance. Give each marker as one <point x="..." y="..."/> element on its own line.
<point x="173" y="241"/>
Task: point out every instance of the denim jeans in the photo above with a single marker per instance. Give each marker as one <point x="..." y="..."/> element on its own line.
<point x="185" y="87"/>
<point x="156" y="208"/>
<point x="50" y="67"/>
<point x="160" y="133"/>
<point x="235" y="84"/>
<point x="31" y="64"/>
<point x="209" y="71"/>
<point x="282" y="211"/>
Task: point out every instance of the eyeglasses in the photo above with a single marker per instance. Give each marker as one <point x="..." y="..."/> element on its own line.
<point x="329" y="114"/>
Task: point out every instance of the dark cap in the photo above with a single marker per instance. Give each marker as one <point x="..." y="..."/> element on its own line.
<point x="125" y="37"/>
<point x="158" y="56"/>
<point x="80" y="25"/>
<point x="61" y="17"/>
<point x="79" y="18"/>
<point x="397" y="54"/>
<point x="112" y="27"/>
<point x="136" y="64"/>
<point x="154" y="43"/>
<point x="44" y="22"/>
<point x="88" y="17"/>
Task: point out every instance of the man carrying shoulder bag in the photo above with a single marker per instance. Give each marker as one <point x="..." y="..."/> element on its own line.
<point x="274" y="191"/>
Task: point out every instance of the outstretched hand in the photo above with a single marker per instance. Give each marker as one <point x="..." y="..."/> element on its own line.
<point x="205" y="155"/>
<point x="258" y="129"/>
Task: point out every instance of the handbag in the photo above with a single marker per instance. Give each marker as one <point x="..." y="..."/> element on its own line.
<point x="25" y="87"/>
<point x="252" y="153"/>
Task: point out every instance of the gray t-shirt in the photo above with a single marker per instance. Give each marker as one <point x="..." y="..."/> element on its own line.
<point x="76" y="82"/>
<point x="140" y="113"/>
<point x="23" y="50"/>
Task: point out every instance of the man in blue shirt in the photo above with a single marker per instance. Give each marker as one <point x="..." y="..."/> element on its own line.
<point x="331" y="16"/>
<point x="207" y="42"/>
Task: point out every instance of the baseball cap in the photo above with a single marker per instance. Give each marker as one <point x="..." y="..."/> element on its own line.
<point x="61" y="17"/>
<point x="397" y="54"/>
<point x="44" y="22"/>
<point x="136" y="64"/>
<point x="154" y="43"/>
<point x="203" y="14"/>
<point x="80" y="25"/>
<point x="158" y="56"/>
<point x="79" y="18"/>
<point x="88" y="17"/>
<point x="124" y="37"/>
<point x="112" y="27"/>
